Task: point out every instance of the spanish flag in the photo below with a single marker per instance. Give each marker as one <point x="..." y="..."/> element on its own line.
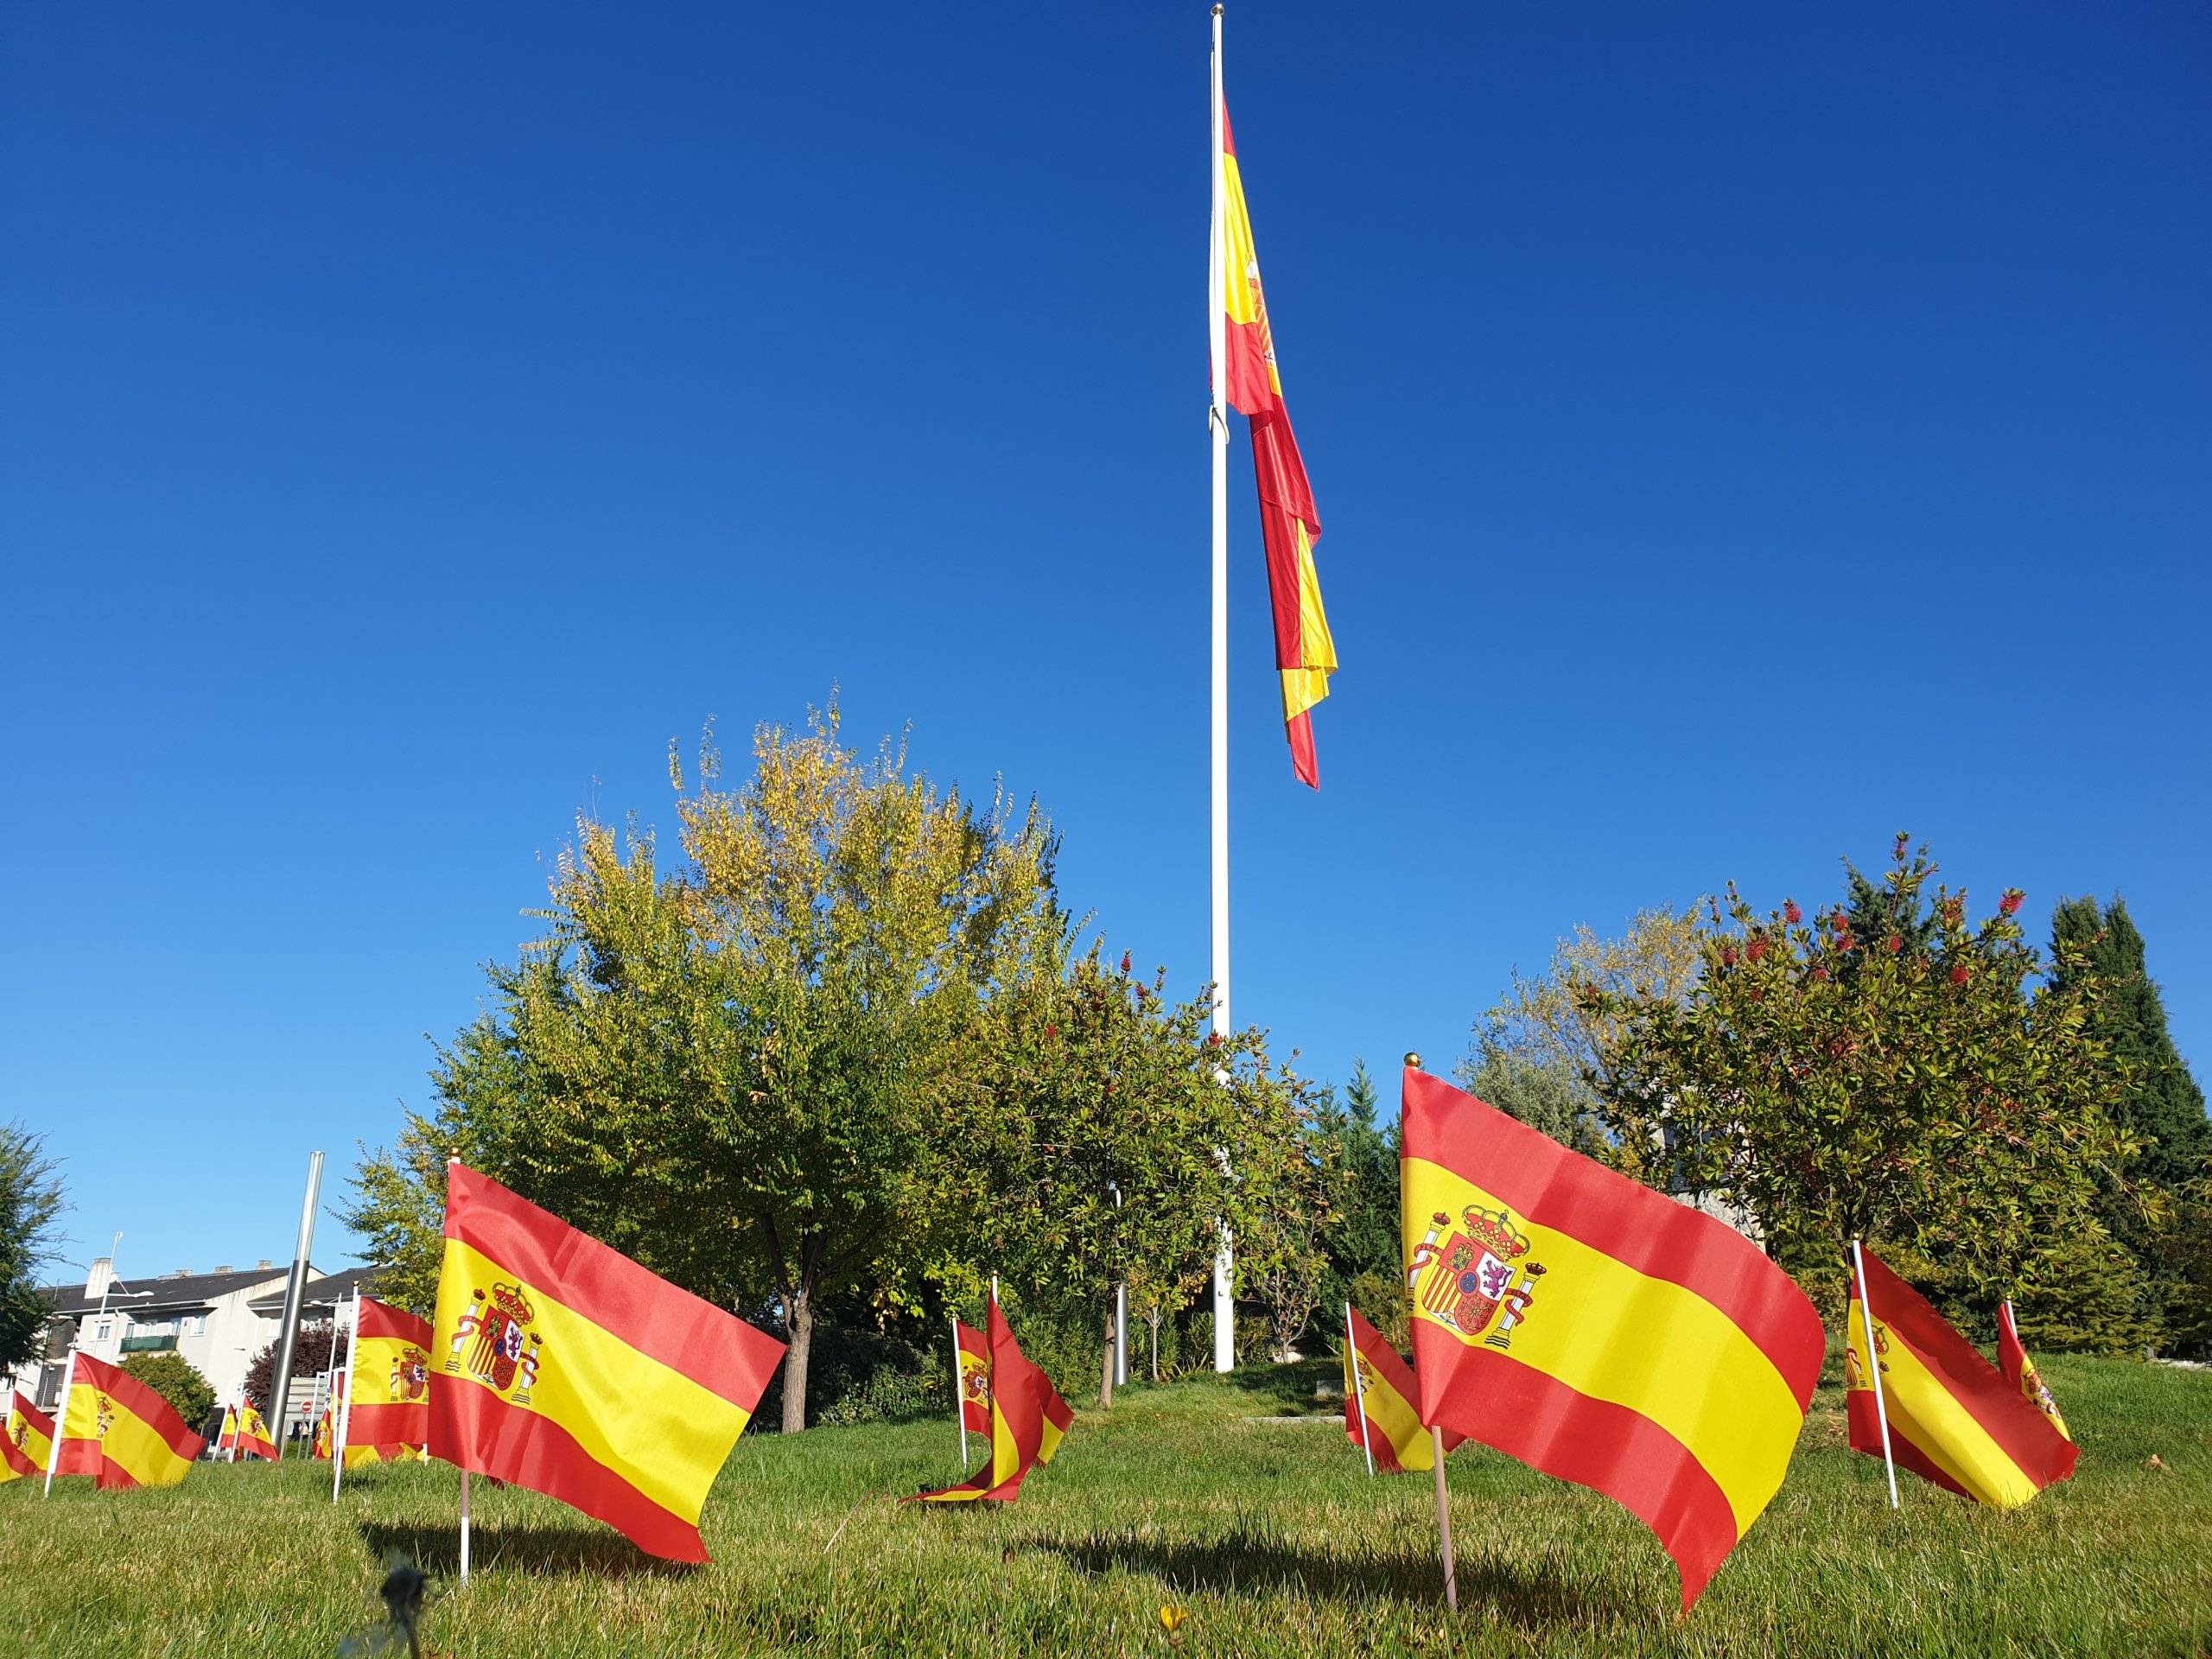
<point x="974" y="1378"/>
<point x="253" y="1437"/>
<point x="1289" y="524"/>
<point x="2020" y="1371"/>
<point x="120" y="1432"/>
<point x="28" y="1443"/>
<point x="1391" y="1429"/>
<point x="1598" y="1330"/>
<point x="228" y="1441"/>
<point x="389" y="1384"/>
<point x="1952" y="1418"/>
<point x="565" y="1367"/>
<point x="1028" y="1419"/>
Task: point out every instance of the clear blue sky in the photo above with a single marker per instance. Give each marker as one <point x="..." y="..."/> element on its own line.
<point x="1740" y="435"/>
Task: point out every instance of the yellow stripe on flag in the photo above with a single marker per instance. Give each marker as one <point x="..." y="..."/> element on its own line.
<point x="1592" y="1297"/>
<point x="1395" y="1415"/>
<point x="674" y="1433"/>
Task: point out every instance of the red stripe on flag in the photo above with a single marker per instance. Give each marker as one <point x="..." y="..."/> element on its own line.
<point x="714" y="1348"/>
<point x="1613" y="1451"/>
<point x="536" y="1452"/>
<point x="1534" y="1176"/>
<point x="403" y="1425"/>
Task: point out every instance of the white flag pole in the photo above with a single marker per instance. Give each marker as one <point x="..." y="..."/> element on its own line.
<point x="1359" y="1388"/>
<point x="1224" y="1266"/>
<point x="60" y="1421"/>
<point x="959" y="1392"/>
<point x="1874" y="1367"/>
<point x="464" y="1526"/>
<point x="346" y="1397"/>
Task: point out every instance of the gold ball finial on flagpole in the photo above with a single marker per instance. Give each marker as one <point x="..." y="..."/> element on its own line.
<point x="1413" y="1061"/>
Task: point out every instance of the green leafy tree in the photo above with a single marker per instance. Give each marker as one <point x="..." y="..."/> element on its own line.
<point x="1361" y="1243"/>
<point x="1106" y="1136"/>
<point x="1838" y="1086"/>
<point x="2161" y="1106"/>
<point x="178" y="1381"/>
<point x="726" y="1067"/>
<point x="1544" y="1053"/>
<point x="31" y="1203"/>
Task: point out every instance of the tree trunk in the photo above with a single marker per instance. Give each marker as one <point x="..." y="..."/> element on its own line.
<point x="798" y="1312"/>
<point x="1106" y="1364"/>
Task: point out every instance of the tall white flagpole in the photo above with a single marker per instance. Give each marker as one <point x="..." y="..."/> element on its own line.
<point x="1874" y="1366"/>
<point x="346" y="1397"/>
<point x="60" y="1421"/>
<point x="1224" y="1265"/>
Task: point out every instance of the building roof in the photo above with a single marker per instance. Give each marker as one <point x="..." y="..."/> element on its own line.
<point x="326" y="1291"/>
<point x="180" y="1293"/>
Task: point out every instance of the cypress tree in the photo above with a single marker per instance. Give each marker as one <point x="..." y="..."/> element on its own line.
<point x="2162" y="1105"/>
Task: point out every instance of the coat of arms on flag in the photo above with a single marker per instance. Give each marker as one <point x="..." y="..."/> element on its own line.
<point x="1479" y="1278"/>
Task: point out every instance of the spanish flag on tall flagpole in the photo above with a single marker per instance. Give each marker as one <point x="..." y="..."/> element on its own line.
<point x="120" y="1432"/>
<point x="1028" y="1419"/>
<point x="1248" y="377"/>
<point x="563" y="1366"/>
<point x="28" y="1446"/>
<point x="1935" y="1406"/>
<point x="1570" y="1318"/>
<point x="1381" y="1417"/>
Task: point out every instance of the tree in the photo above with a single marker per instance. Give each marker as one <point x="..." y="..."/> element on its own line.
<point x="313" y="1348"/>
<point x="31" y="1203"/>
<point x="724" y="1068"/>
<point x="2161" y="1106"/>
<point x="178" y="1381"/>
<point x="1547" y="1051"/>
<point x="1839" y="1086"/>
<point x="1360" y="1244"/>
<point x="1105" y="1136"/>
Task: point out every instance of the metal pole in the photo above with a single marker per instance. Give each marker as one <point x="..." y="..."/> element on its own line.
<point x="1359" y="1388"/>
<point x="1224" y="1266"/>
<point x="345" y="1395"/>
<point x="464" y="1526"/>
<point x="959" y="1392"/>
<point x="61" y="1422"/>
<point x="1874" y="1367"/>
<point x="287" y="1329"/>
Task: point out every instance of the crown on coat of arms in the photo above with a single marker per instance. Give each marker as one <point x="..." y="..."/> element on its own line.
<point x="512" y="1303"/>
<point x="1493" y="1230"/>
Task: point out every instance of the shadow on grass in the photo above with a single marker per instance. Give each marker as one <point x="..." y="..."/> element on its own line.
<point x="528" y="1549"/>
<point x="1525" y="1597"/>
<point x="1295" y="1387"/>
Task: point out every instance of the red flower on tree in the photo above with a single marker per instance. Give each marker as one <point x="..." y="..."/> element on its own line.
<point x="1896" y="944"/>
<point x="1791" y="913"/>
<point x="1958" y="974"/>
<point x="2011" y="902"/>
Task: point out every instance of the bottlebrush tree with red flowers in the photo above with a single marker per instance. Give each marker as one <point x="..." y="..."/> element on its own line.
<point x="1893" y="1071"/>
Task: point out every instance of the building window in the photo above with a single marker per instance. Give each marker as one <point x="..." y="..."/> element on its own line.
<point x="196" y="1324"/>
<point x="101" y="1329"/>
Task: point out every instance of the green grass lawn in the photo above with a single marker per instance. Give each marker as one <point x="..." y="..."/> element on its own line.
<point x="1270" y="1534"/>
